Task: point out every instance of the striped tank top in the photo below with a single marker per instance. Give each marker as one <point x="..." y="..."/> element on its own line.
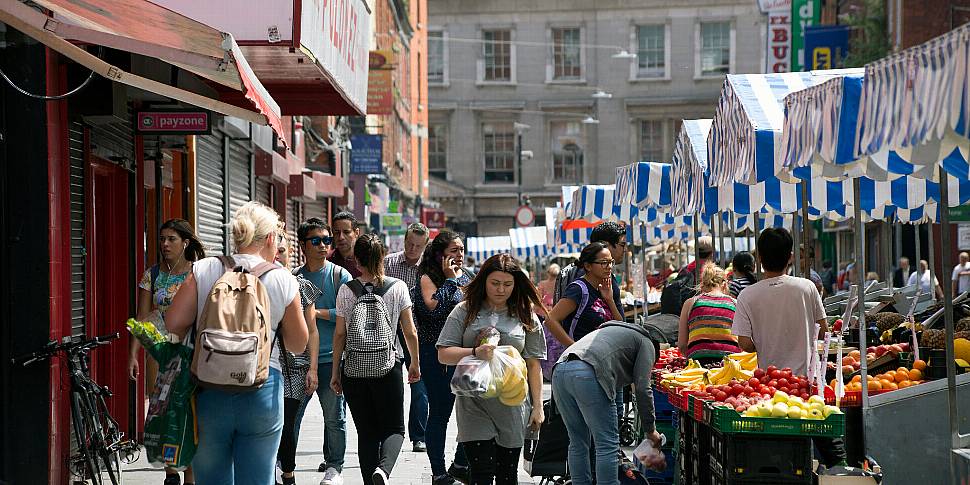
<point x="709" y="325"/>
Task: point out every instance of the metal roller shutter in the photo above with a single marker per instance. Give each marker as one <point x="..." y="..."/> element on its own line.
<point x="210" y="196"/>
<point x="264" y="191"/>
<point x="78" y="252"/>
<point x="240" y="176"/>
<point x="317" y="208"/>
<point x="294" y="215"/>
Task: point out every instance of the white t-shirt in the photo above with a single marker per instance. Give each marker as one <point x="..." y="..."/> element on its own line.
<point x="280" y="284"/>
<point x="396" y="298"/>
<point x="964" y="280"/>
<point x="924" y="282"/>
<point x="779" y="315"/>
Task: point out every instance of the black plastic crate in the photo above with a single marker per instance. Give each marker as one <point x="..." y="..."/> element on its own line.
<point x="775" y="458"/>
<point x="685" y="468"/>
<point x="700" y="438"/>
<point x="719" y="480"/>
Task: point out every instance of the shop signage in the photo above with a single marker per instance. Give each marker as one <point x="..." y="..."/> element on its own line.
<point x="380" y="96"/>
<point x="774" y="5"/>
<point x="779" y="41"/>
<point x="336" y="34"/>
<point x="433" y="218"/>
<point x="805" y="13"/>
<point x="391" y="221"/>
<point x="366" y="154"/>
<point x="960" y="213"/>
<point x="826" y="47"/>
<point x="963" y="236"/>
<point x="393" y="206"/>
<point x="174" y="122"/>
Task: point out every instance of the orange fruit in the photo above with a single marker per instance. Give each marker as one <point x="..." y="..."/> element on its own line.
<point x="890" y="386"/>
<point x="905" y="384"/>
<point x="902" y="369"/>
<point x="902" y="375"/>
<point x="919" y="364"/>
<point x="875" y="385"/>
<point x="885" y="383"/>
<point x="915" y="375"/>
<point x="857" y="378"/>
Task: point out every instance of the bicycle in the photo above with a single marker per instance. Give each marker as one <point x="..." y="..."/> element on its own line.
<point x="101" y="446"/>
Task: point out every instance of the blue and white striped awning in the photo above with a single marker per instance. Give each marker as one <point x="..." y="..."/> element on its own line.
<point x="482" y="248"/>
<point x="529" y="242"/>
<point x="919" y="97"/>
<point x="643" y="184"/>
<point x="591" y="203"/>
<point x="689" y="167"/>
<point x="819" y="136"/>
<point x="748" y="123"/>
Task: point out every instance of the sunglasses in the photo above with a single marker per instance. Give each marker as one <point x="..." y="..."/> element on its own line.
<point x="316" y="241"/>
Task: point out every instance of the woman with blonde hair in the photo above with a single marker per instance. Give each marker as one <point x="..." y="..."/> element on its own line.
<point x="239" y="432"/>
<point x="705" y="322"/>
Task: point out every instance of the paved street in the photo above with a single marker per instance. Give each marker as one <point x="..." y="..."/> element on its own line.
<point x="411" y="469"/>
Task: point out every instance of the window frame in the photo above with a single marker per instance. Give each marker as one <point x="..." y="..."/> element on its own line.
<point x="484" y="153"/>
<point x="481" y="64"/>
<point x="661" y="136"/>
<point x="635" y="75"/>
<point x="445" y="80"/>
<point x="698" y="47"/>
<point x="578" y="170"/>
<point x="433" y="144"/>
<point x="551" y="55"/>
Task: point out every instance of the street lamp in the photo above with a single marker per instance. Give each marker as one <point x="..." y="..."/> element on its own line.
<point x="589" y="120"/>
<point x="624" y="54"/>
<point x="600" y="94"/>
<point x="519" y="129"/>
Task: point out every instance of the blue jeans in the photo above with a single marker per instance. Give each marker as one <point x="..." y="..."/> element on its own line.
<point x="418" y="412"/>
<point x="587" y="411"/>
<point x="334" y="419"/>
<point x="437" y="383"/>
<point x="239" y="434"/>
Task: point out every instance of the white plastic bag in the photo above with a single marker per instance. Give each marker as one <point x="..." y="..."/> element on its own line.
<point x="473" y="377"/>
<point x="503" y="376"/>
<point x="651" y="457"/>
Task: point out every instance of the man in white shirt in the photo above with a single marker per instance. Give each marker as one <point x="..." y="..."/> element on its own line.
<point x="961" y="275"/>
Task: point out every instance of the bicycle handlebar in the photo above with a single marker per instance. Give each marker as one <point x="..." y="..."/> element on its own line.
<point x="68" y="345"/>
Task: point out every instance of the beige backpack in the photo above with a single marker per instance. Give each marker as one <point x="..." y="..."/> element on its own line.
<point x="232" y="345"/>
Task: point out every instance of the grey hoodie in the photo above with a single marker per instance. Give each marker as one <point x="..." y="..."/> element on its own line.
<point x="620" y="354"/>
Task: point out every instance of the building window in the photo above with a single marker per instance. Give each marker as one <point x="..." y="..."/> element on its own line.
<point x="498" y="151"/>
<point x="497" y="49"/>
<point x="436" y="57"/>
<point x="566" y="54"/>
<point x="568" y="141"/>
<point x="651" y="140"/>
<point x="437" y="150"/>
<point x="651" y="51"/>
<point x="715" y="53"/>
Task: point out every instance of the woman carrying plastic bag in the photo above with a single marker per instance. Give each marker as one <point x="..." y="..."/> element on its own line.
<point x="496" y="325"/>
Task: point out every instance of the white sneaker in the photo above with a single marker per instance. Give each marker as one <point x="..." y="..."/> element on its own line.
<point x="332" y="477"/>
<point x="380" y="478"/>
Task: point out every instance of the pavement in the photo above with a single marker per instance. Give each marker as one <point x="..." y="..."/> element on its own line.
<point x="411" y="468"/>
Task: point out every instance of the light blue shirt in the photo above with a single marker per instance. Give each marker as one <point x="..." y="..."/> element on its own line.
<point x="327" y="300"/>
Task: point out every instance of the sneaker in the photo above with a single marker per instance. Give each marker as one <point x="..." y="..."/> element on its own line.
<point x="419" y="447"/>
<point x="332" y="477"/>
<point x="173" y="479"/>
<point x="379" y="477"/>
<point x="444" y="479"/>
<point x="289" y="480"/>
<point x="459" y="473"/>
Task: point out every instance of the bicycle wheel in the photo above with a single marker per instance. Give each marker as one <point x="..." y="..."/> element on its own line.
<point x="83" y="434"/>
<point x="101" y="447"/>
<point x="112" y="440"/>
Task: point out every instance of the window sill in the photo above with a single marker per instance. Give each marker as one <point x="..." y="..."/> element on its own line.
<point x="444" y="84"/>
<point x="566" y="81"/>
<point x="494" y="83"/>
<point x="496" y="185"/>
<point x="709" y="77"/>
<point x="649" y="79"/>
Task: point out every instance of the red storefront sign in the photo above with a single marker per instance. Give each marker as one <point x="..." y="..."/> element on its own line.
<point x="433" y="218"/>
<point x="174" y="122"/>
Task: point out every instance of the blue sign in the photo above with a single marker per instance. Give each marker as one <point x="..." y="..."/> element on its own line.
<point x="826" y="46"/>
<point x="367" y="154"/>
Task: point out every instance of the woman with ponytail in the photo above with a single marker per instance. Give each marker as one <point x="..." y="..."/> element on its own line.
<point x="376" y="401"/>
<point x="178" y="248"/>
<point x="705" y="322"/>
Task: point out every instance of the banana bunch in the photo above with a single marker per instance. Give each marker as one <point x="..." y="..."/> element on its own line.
<point x="685" y="377"/>
<point x="748" y="360"/>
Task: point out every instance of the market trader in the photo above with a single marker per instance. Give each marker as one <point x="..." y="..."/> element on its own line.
<point x="584" y="386"/>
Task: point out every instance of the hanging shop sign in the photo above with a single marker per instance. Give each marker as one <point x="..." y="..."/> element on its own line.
<point x="173" y="122"/>
<point x="380" y="95"/>
<point x="367" y="153"/>
<point x="779" y="41"/>
<point x="391" y="221"/>
<point x="826" y="46"/>
<point x="433" y="218"/>
<point x="335" y="33"/>
<point x="805" y="14"/>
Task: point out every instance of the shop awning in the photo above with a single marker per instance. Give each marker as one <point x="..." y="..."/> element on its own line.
<point x="144" y="28"/>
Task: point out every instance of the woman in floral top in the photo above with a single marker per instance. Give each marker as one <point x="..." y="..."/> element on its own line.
<point x="179" y="248"/>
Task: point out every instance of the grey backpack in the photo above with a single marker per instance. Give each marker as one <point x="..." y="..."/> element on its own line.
<point x="370" y="348"/>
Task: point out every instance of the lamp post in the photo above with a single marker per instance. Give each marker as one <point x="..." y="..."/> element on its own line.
<point x="520" y="128"/>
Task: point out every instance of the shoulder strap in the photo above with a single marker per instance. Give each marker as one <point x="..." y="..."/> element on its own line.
<point x="357" y="287"/>
<point x="262" y="268"/>
<point x="337" y="275"/>
<point x="154" y="276"/>
<point x="296" y="270"/>
<point x="227" y="262"/>
<point x="387" y="284"/>
<point x="582" y="305"/>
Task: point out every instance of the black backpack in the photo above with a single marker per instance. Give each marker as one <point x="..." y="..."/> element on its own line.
<point x="677" y="292"/>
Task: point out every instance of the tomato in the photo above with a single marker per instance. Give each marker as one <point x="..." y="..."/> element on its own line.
<point x="773" y="383"/>
<point x="736" y="389"/>
<point x="771" y="368"/>
<point x="720" y="395"/>
<point x="754" y="394"/>
<point x="776" y="374"/>
<point x="783" y="382"/>
<point x="759" y="373"/>
<point x="754" y="382"/>
<point x="748" y="390"/>
<point x="763" y="389"/>
<point x="805" y="396"/>
<point x="786" y="371"/>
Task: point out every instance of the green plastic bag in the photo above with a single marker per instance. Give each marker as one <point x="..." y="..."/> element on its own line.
<point x="171" y="435"/>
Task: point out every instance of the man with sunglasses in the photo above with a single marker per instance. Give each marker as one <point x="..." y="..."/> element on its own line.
<point x="315" y="238"/>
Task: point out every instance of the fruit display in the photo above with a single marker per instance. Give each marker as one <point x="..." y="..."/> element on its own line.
<point x="886" y="320"/>
<point x="763" y="384"/>
<point x="740" y="366"/>
<point x="933" y="339"/>
<point x="783" y="405"/>
<point x="892" y="380"/>
<point x="670" y="359"/>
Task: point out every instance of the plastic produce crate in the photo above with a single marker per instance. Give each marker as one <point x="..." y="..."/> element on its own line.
<point x="725" y="420"/>
<point x="670" y="431"/>
<point x="662" y="408"/>
<point x="764" y="459"/>
<point x="850" y="400"/>
<point x="696" y="407"/>
<point x="685" y="469"/>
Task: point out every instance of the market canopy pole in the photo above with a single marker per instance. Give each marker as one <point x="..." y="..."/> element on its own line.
<point x="860" y="262"/>
<point x="951" y="376"/>
<point x="931" y="239"/>
<point x="806" y="238"/>
<point x="919" y="275"/>
<point x="734" y="235"/>
<point x="720" y="230"/>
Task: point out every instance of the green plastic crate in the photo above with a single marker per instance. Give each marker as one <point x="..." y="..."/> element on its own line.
<point x="670" y="432"/>
<point x="727" y="420"/>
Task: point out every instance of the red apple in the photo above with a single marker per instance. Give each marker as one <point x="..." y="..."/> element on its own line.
<point x="881" y="350"/>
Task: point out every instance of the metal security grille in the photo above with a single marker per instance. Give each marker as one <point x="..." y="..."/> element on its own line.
<point x="317" y="208"/>
<point x="264" y="191"/>
<point x="210" y="196"/>
<point x="240" y="176"/>
<point x="294" y="215"/>
<point x="78" y="252"/>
